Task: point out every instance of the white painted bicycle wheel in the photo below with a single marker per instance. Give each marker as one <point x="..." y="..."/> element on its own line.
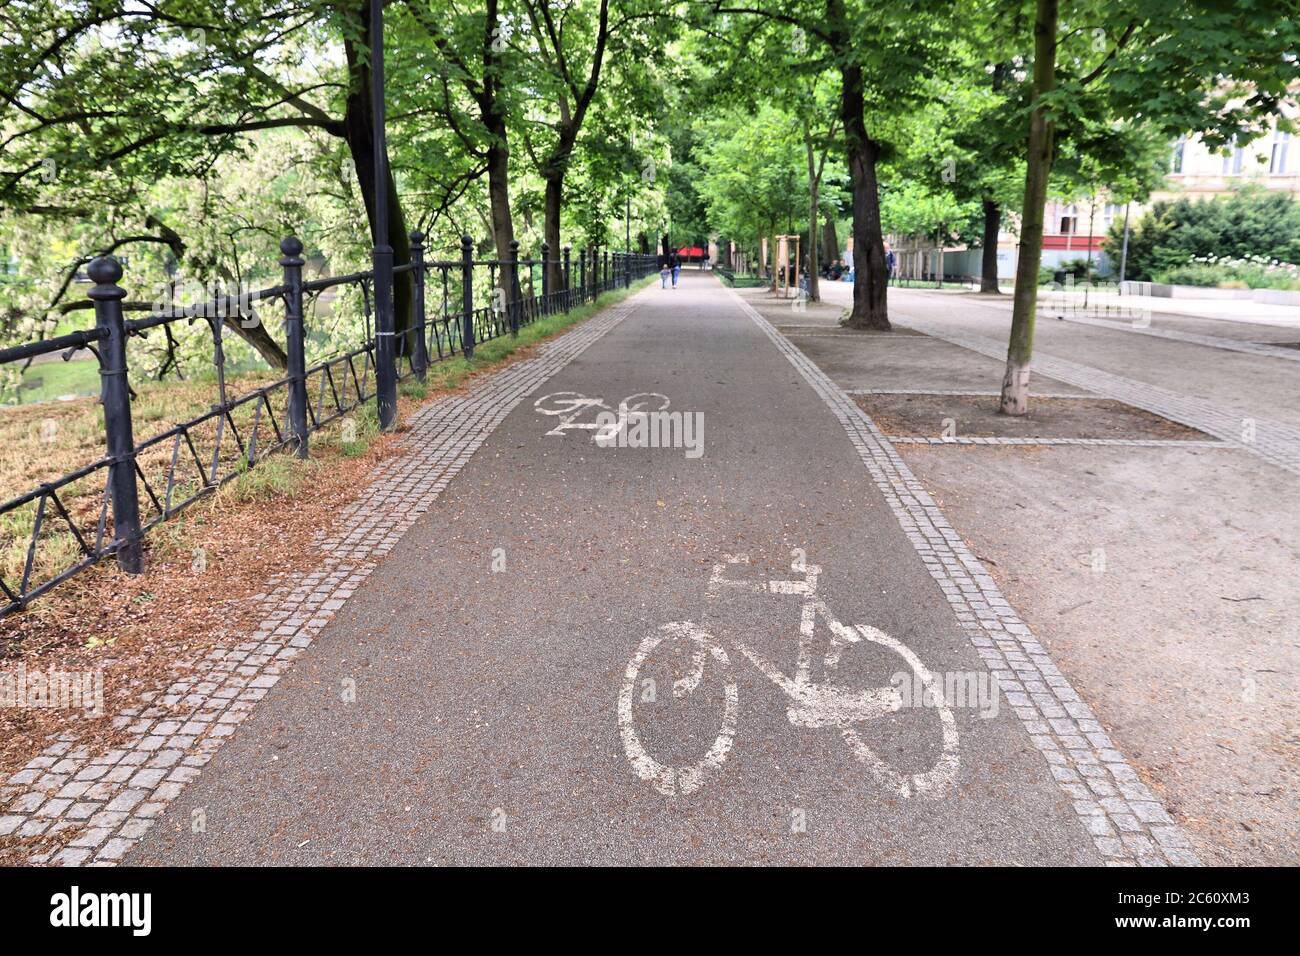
<point x="686" y="779"/>
<point x="934" y="781"/>
<point x="647" y="402"/>
<point x="559" y="403"/>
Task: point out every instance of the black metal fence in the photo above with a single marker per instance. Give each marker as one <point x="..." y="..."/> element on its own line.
<point x="150" y="481"/>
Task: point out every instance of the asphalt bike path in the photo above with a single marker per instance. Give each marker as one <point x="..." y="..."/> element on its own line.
<point x="590" y="652"/>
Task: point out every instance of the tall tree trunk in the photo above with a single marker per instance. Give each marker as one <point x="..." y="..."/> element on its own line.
<point x="830" y="241"/>
<point x="814" y="291"/>
<point x="814" y="182"/>
<point x="870" y="279"/>
<point x="771" y="250"/>
<point x="498" y="168"/>
<point x="358" y="123"/>
<point x="989" y="264"/>
<point x="552" y="173"/>
<point x="497" y="154"/>
<point x="551" y="227"/>
<point x="992" y="214"/>
<point x="1042" y="128"/>
<point x="556" y="164"/>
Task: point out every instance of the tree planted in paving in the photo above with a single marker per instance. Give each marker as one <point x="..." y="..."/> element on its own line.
<point x="1171" y="66"/>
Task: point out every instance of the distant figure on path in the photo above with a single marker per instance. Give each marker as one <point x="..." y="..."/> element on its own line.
<point x="890" y="259"/>
<point x="665" y="270"/>
<point x="676" y="261"/>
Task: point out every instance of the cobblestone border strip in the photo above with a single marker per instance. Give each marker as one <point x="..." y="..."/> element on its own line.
<point x="1122" y="442"/>
<point x="955" y="392"/>
<point x="96" y="806"/>
<point x="849" y="335"/>
<point x="1127" y="822"/>
<point x="1191" y="338"/>
<point x="1274" y="441"/>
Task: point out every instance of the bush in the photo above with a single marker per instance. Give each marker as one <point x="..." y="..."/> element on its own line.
<point x="1192" y="273"/>
<point x="1250" y="224"/>
<point x="1255" y="272"/>
<point x="1078" y="268"/>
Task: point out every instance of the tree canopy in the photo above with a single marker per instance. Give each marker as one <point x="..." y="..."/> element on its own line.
<point x="189" y="136"/>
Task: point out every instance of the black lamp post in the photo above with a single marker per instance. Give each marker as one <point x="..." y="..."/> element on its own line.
<point x="385" y="372"/>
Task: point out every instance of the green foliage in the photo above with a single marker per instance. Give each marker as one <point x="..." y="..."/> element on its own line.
<point x="914" y="210"/>
<point x="357" y="429"/>
<point x="754" y="182"/>
<point x="413" y="388"/>
<point x="49" y="380"/>
<point x="191" y="136"/>
<point x="1250" y="222"/>
<point x="1077" y="267"/>
<point x="1230" y="273"/>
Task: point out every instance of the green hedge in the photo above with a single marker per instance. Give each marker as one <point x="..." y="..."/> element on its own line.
<point x="1224" y="272"/>
<point x="1249" y="223"/>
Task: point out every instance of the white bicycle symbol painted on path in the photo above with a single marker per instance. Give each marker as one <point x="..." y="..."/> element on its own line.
<point x="812" y="704"/>
<point x="570" y="406"/>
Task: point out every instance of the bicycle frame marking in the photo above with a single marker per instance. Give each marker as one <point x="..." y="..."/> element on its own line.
<point x="812" y="704"/>
<point x="570" y="406"/>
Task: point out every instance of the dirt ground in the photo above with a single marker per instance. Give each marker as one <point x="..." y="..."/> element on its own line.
<point x="1164" y="582"/>
<point x="976" y="416"/>
<point x="201" y="570"/>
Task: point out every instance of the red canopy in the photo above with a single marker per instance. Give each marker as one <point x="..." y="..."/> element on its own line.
<point x="686" y="251"/>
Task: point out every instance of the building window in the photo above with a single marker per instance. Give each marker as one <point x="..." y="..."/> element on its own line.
<point x="1277" y="160"/>
<point x="1069" y="220"/>
<point x="1176" y="161"/>
<point x="1232" y="160"/>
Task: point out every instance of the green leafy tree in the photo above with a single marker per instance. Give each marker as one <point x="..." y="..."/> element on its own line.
<point x="470" y="54"/>
<point x="882" y="56"/>
<point x="1171" y="66"/>
<point x="102" y="101"/>
<point x="753" y="174"/>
